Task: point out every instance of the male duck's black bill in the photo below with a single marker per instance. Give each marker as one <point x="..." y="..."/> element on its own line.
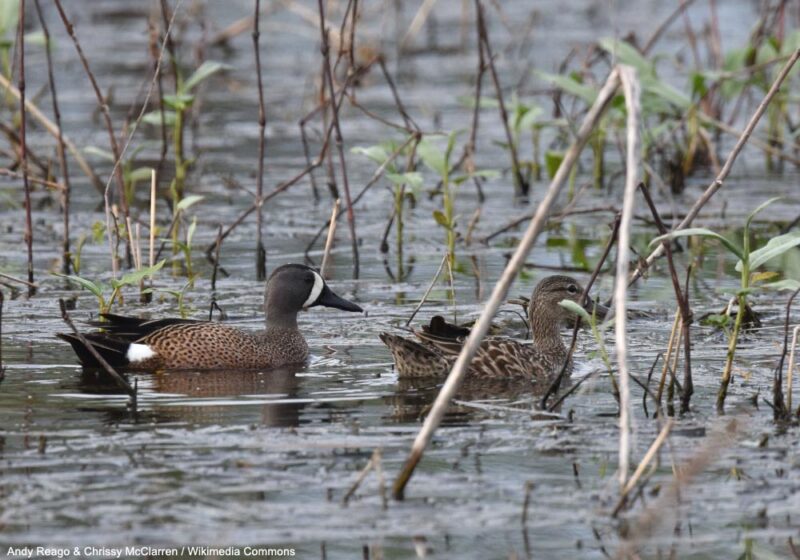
<point x="330" y="299"/>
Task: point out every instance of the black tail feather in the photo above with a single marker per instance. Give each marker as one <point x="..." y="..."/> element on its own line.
<point x="113" y="350"/>
<point x="131" y="329"/>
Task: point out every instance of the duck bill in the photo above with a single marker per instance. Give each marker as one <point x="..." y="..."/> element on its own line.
<point x="329" y="299"/>
<point x="596" y="309"/>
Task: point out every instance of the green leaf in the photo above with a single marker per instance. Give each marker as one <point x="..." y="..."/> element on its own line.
<point x="788" y="284"/>
<point x="178" y="102"/>
<point x="190" y="232"/>
<point x="412" y="179"/>
<point x="756" y="211"/>
<point x="552" y="161"/>
<point x="571" y="85"/>
<point x="627" y="54"/>
<point x="84" y="283"/>
<point x="9" y="15"/>
<point x="99" y="152"/>
<point x="140" y="174"/>
<point x="376" y="153"/>
<point x="441" y="219"/>
<point x="137" y="275"/>
<point x="577" y="309"/>
<point x="189" y="201"/>
<point x="483" y="102"/>
<point x="775" y="247"/>
<point x="432" y="157"/>
<point x="208" y="68"/>
<point x="154" y="118"/>
<point x="35" y="38"/>
<point x="702" y="232"/>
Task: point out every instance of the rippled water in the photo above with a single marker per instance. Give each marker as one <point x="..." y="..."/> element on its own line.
<point x="237" y="458"/>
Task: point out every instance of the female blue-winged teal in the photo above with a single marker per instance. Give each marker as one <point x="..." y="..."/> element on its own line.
<point x="144" y="344"/>
<point x="497" y="357"/>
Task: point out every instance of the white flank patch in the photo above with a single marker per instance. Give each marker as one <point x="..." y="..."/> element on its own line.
<point x="139" y="353"/>
<point x="319" y="283"/>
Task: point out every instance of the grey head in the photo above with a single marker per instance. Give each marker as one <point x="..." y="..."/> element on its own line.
<point x="295" y="287"/>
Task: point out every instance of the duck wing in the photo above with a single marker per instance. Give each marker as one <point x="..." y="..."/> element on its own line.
<point x="131" y="329"/>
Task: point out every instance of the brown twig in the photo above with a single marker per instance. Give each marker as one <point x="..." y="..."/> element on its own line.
<point x="23" y="145"/>
<point x="121" y="381"/>
<point x="779" y="407"/>
<point x="338" y="135"/>
<point x="521" y="186"/>
<point x="60" y="146"/>
<point x="323" y="269"/>
<point x="261" y="254"/>
<point x="445" y="258"/>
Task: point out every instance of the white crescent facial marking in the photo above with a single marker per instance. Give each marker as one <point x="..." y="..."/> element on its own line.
<point x="139" y="353"/>
<point x="319" y="283"/>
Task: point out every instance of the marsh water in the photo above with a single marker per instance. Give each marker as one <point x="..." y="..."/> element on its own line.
<point x="246" y="458"/>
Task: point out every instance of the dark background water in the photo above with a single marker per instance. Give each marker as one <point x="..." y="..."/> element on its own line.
<point x="235" y="458"/>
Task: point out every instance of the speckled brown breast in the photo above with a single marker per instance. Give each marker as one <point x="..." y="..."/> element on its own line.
<point x="218" y="346"/>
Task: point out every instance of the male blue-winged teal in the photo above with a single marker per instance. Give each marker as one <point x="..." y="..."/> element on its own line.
<point x="144" y="344"/>
<point x="497" y="357"/>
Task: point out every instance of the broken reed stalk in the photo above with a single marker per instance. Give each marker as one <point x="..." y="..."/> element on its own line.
<point x="152" y="217"/>
<point x="103" y="106"/>
<point x="780" y="411"/>
<point x="683" y="303"/>
<point x="445" y="258"/>
<point x="60" y="144"/>
<point x="261" y="254"/>
<point x="216" y="259"/>
<point x="328" y="76"/>
<point x="630" y="87"/>
<point x="323" y="269"/>
<point x="790" y="372"/>
<point x="555" y="385"/>
<point x="673" y="342"/>
<point x="648" y="457"/>
<point x="521" y="186"/>
<point x="23" y="146"/>
<point x="500" y="291"/>
<point x="121" y="381"/>
<point x="726" y="168"/>
<point x="372" y="463"/>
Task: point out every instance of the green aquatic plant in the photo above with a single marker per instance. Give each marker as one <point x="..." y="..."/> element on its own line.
<point x="438" y="160"/>
<point x="384" y="155"/>
<point x="749" y="261"/>
<point x="99" y="290"/>
<point x="178" y="105"/>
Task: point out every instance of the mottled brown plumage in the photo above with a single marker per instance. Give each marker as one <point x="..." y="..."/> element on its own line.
<point x="497" y="357"/>
<point x="141" y="344"/>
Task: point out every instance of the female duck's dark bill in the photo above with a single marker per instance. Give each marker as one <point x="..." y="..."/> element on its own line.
<point x="330" y="299"/>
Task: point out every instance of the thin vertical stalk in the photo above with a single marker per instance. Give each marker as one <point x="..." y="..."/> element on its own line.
<point x="112" y="137"/>
<point x="60" y="146"/>
<point x="328" y="76"/>
<point x="23" y="145"/>
<point x="520" y="184"/>
<point x="630" y="87"/>
<point x="500" y="291"/>
<point x="261" y="254"/>
<point x="323" y="269"/>
<point x="790" y="373"/>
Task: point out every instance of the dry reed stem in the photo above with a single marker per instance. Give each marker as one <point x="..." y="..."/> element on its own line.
<point x="677" y="327"/>
<point x="791" y="369"/>
<point x="631" y="89"/>
<point x="648" y="457"/>
<point x="152" y="217"/>
<point x="331" y="236"/>
<point x="373" y="463"/>
<point x="500" y="291"/>
<point x="726" y="168"/>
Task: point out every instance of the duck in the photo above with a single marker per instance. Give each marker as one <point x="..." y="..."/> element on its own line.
<point x="182" y="344"/>
<point x="440" y="343"/>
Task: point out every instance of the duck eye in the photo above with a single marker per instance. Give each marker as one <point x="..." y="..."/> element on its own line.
<point x="572" y="288"/>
